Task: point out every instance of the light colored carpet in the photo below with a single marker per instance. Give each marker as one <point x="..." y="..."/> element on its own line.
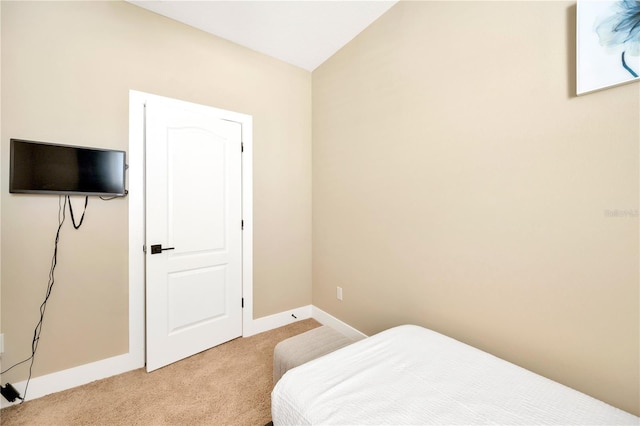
<point x="227" y="385"/>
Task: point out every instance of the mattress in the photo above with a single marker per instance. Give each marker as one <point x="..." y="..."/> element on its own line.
<point x="412" y="375"/>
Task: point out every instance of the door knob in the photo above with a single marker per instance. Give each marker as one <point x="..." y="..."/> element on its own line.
<point x="157" y="248"/>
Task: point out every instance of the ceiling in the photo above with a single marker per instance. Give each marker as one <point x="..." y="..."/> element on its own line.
<point x="303" y="33"/>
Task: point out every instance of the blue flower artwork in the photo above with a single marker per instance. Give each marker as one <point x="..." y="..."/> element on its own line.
<point x="608" y="36"/>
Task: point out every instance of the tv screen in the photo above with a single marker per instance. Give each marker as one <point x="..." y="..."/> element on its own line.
<point x="46" y="168"/>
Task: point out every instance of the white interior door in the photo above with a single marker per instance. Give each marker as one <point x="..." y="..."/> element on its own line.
<point x="193" y="231"/>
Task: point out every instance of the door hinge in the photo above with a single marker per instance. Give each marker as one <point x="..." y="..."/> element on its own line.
<point x="144" y="249"/>
<point x="242" y="305"/>
<point x="242" y="225"/>
<point x="241" y="146"/>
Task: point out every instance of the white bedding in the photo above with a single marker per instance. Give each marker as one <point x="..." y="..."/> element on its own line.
<point x="412" y="375"/>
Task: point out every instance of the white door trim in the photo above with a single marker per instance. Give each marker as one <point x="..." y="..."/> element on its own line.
<point x="137" y="214"/>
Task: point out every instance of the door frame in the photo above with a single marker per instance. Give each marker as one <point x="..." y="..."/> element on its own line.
<point x="137" y="217"/>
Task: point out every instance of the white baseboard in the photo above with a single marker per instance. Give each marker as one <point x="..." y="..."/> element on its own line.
<point x="77" y="376"/>
<point x="276" y="320"/>
<point x="87" y="373"/>
<point x="327" y="319"/>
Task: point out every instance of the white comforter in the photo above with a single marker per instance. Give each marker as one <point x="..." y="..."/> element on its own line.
<point x="412" y="375"/>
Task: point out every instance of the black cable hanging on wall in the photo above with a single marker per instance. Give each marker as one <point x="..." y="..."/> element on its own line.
<point x="73" y="220"/>
<point x="62" y="207"/>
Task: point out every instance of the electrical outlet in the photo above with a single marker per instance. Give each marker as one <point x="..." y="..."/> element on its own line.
<point x="339" y="293"/>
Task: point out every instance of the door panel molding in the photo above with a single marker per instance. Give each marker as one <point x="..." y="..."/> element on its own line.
<point x="194" y="202"/>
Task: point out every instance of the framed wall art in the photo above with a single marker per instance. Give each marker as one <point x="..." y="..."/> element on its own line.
<point x="608" y="43"/>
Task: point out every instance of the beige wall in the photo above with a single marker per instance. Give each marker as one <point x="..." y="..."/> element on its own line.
<point x="67" y="71"/>
<point x="459" y="184"/>
<point x="1" y="187"/>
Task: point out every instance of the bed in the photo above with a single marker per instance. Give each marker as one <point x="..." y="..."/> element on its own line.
<point x="413" y="375"/>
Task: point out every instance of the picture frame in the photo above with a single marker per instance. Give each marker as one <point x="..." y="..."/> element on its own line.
<point x="608" y="44"/>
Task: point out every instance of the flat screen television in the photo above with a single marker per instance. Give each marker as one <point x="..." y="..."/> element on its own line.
<point x="47" y="168"/>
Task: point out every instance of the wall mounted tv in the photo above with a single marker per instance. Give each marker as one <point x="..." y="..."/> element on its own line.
<point x="47" y="168"/>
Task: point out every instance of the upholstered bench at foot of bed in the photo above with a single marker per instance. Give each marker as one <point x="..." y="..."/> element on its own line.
<point x="304" y="347"/>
